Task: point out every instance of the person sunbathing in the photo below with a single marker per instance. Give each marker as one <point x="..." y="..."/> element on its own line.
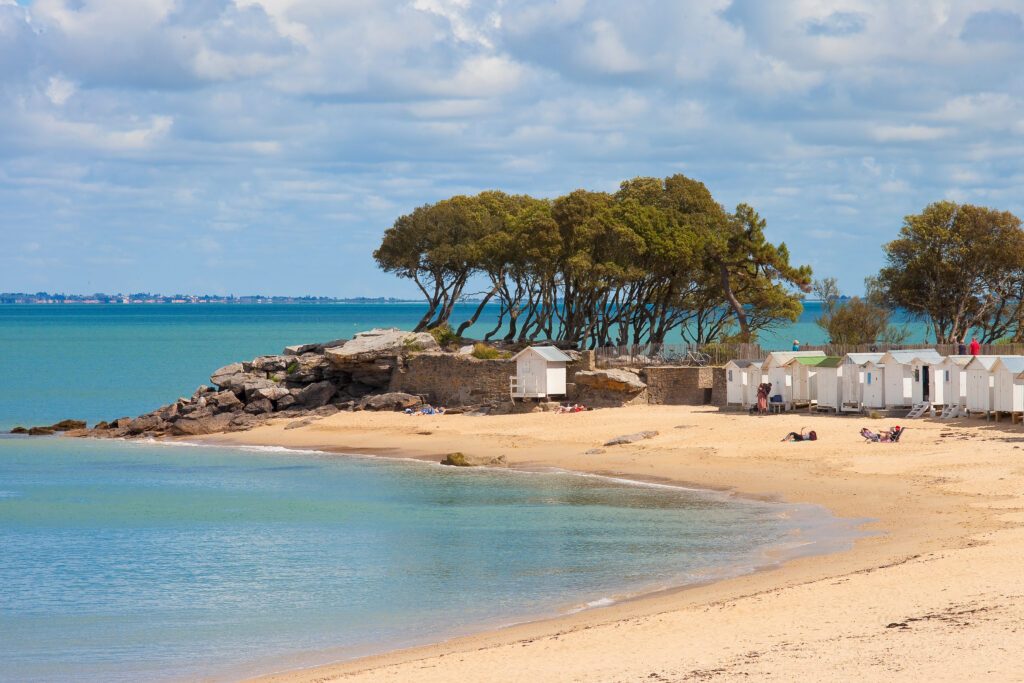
<point x="804" y="435"/>
<point x="889" y="436"/>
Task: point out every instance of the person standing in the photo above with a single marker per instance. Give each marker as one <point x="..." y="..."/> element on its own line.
<point x="961" y="348"/>
<point x="796" y="344"/>
<point x="975" y="346"/>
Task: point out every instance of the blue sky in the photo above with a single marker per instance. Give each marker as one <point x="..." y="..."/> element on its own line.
<point x="264" y="145"/>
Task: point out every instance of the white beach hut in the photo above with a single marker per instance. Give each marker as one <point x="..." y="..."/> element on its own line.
<point x="923" y="387"/>
<point x="828" y="383"/>
<point x="741" y="380"/>
<point x="852" y="379"/>
<point x="774" y="369"/>
<point x="949" y="381"/>
<point x="1008" y="388"/>
<point x="900" y="377"/>
<point x="540" y="372"/>
<point x="873" y="389"/>
<point x="980" y="383"/>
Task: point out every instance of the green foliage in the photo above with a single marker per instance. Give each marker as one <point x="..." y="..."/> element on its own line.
<point x="445" y="336"/>
<point x="594" y="268"/>
<point x="961" y="267"/>
<point x="855" y="321"/>
<point x="292" y="367"/>
<point x="487" y="352"/>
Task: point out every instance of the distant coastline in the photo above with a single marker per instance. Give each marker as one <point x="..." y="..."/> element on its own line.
<point x="13" y="298"/>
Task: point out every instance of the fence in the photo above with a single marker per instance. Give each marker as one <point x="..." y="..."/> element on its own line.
<point x="649" y="355"/>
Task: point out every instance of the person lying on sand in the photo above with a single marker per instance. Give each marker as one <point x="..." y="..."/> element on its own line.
<point x="426" y="410"/>
<point x="804" y="435"/>
<point x="571" y="408"/>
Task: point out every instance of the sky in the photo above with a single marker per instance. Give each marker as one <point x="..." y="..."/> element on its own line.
<point x="263" y="146"/>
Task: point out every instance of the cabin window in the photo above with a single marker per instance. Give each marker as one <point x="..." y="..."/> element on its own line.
<point x="730" y="375"/>
<point x="869" y="378"/>
<point x="947" y="375"/>
<point x="917" y="374"/>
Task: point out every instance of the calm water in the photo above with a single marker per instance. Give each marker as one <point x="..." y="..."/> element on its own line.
<point x="127" y="561"/>
<point x="131" y="561"/>
<point x="104" y="362"/>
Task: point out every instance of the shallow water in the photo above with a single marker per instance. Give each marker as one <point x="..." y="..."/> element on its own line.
<point x="130" y="561"/>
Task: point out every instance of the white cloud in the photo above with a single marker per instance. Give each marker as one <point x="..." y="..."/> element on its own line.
<point x="59" y="90"/>
<point x="911" y="133"/>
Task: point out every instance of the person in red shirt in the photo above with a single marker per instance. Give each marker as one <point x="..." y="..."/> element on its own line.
<point x="975" y="346"/>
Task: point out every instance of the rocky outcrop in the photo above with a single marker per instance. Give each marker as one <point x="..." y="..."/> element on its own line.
<point x="395" y="400"/>
<point x="48" y="430"/>
<point x="369" y="346"/>
<point x="464" y="460"/>
<point x="306" y="379"/>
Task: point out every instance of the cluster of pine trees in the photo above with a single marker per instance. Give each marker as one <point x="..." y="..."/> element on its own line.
<point x="595" y="268"/>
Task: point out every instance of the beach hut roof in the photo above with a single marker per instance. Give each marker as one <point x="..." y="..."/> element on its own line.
<point x="549" y="353"/>
<point x="743" y="363"/>
<point x="830" y="362"/>
<point x="1014" y="364"/>
<point x="985" y="362"/>
<point x="910" y="355"/>
<point x="959" y="360"/>
<point x="807" y="360"/>
<point x="863" y="358"/>
<point x="783" y="357"/>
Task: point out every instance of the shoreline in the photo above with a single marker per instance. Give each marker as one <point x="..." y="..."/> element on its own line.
<point x="931" y="518"/>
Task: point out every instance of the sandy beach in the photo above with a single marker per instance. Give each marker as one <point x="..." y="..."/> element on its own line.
<point x="935" y="592"/>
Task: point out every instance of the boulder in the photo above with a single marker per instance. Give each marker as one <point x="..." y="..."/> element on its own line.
<point x="307" y="368"/>
<point x="145" y="423"/>
<point x="259" y="406"/>
<point x="274" y="393"/>
<point x="327" y="410"/>
<point x="19" y="430"/>
<point x="250" y="388"/>
<point x="298" y="424"/>
<point x="122" y="422"/>
<point x="378" y="343"/>
<point x="194" y="426"/>
<point x="201" y="390"/>
<point x="285" y="402"/>
<point x="315" y="395"/>
<point x="225" y="400"/>
<point x="299" y="349"/>
<point x="631" y="438"/>
<point x="394" y="400"/>
<point x="377" y="375"/>
<point x="40" y="431"/>
<point x="67" y="425"/>
<point x="221" y="374"/>
<point x="463" y="460"/>
<point x="623" y="381"/>
<point x="269" y="363"/>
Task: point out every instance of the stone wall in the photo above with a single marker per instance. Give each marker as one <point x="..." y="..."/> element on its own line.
<point x="454" y="380"/>
<point x="679" y="386"/>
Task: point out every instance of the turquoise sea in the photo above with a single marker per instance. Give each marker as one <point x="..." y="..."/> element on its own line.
<point x="125" y="561"/>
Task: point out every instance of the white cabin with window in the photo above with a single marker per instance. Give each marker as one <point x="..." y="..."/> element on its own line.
<point x="540" y="372"/>
<point x="741" y="380"/>
<point x="949" y="381"/>
<point x="774" y="369"/>
<point x="901" y="376"/>
<point x="853" y="379"/>
<point x="873" y="391"/>
<point x="1008" y="388"/>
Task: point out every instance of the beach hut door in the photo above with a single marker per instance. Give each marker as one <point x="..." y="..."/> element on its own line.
<point x="926" y="376"/>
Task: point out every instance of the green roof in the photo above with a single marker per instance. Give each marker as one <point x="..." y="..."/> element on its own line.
<point x="819" y="361"/>
<point x="831" y="362"/>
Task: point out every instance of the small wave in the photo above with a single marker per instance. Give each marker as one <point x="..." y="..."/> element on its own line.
<point x="593" y="604"/>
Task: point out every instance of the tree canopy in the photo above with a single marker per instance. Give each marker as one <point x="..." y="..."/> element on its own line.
<point x="961" y="268"/>
<point x="593" y="268"/>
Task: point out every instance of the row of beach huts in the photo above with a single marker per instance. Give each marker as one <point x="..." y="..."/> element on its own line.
<point x="919" y="379"/>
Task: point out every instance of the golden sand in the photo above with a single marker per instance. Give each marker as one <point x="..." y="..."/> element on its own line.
<point x="936" y="594"/>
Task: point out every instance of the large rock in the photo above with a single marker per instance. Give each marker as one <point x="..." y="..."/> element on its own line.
<point x="145" y="423"/>
<point x="622" y="381"/>
<point x="194" y="426"/>
<point x="274" y="393"/>
<point x="285" y="402"/>
<point x="464" y="460"/>
<point x="299" y="349"/>
<point x="259" y="406"/>
<point x="252" y="387"/>
<point x="269" y="363"/>
<point x="395" y="400"/>
<point x="630" y="438"/>
<point x="307" y="368"/>
<point x="379" y="343"/>
<point x="315" y="395"/>
<point x="224" y="400"/>
<point x="221" y="374"/>
<point x="377" y="375"/>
